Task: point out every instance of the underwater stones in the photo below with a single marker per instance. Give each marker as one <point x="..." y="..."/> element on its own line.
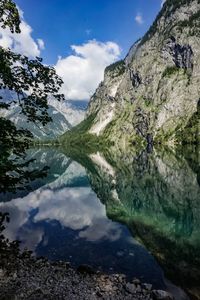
<point x="1" y="273"/>
<point x="85" y="269"/>
<point x="136" y="281"/>
<point x="147" y="286"/>
<point x="161" y="295"/>
<point x="130" y="287"/>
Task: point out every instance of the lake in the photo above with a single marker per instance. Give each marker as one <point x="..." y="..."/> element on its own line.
<point x="136" y="213"/>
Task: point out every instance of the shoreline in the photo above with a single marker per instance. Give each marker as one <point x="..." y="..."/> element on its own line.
<point x="27" y="277"/>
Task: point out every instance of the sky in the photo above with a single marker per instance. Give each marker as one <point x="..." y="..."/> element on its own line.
<point x="80" y="38"/>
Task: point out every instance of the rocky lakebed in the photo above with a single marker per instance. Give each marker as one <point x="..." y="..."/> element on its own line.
<point x="27" y="277"/>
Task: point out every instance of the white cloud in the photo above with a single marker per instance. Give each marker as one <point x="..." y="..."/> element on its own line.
<point x="139" y="19"/>
<point x="41" y="44"/>
<point x="84" y="70"/>
<point x="162" y="2"/>
<point x="21" y="43"/>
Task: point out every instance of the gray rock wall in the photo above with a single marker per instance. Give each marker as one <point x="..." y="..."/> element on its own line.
<point x="156" y="91"/>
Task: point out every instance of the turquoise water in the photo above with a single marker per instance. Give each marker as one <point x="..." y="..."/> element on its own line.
<point x="136" y="214"/>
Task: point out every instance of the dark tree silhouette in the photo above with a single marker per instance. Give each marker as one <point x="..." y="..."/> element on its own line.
<point x="32" y="83"/>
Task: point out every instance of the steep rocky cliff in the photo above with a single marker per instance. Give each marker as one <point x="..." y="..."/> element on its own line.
<point x="153" y="94"/>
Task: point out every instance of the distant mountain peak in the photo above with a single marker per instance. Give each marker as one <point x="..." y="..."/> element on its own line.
<point x="65" y="115"/>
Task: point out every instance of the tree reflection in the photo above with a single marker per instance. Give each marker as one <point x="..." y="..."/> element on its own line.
<point x="15" y="174"/>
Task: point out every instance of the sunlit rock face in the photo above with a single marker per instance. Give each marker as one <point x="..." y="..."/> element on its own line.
<point x="105" y="98"/>
<point x="157" y="196"/>
<point x="153" y="94"/>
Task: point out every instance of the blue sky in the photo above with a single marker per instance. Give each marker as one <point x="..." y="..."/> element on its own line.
<point x="61" y="23"/>
<point x="80" y="38"/>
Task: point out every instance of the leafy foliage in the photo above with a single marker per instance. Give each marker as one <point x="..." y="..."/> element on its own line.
<point x="9" y="15"/>
<point x="32" y="84"/>
<point x="15" y="175"/>
<point x="14" y="172"/>
<point x="12" y="138"/>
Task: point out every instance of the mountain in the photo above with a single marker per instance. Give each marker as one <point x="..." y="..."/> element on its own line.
<point x="153" y="95"/>
<point x="65" y="115"/>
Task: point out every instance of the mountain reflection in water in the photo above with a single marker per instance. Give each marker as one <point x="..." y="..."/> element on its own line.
<point x="78" y="213"/>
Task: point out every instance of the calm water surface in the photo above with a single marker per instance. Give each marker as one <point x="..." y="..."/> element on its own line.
<point x="138" y="215"/>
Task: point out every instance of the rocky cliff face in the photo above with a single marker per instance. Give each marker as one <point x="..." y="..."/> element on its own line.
<point x="153" y="94"/>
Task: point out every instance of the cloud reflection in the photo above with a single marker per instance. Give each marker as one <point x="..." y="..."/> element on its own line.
<point x="101" y="228"/>
<point x="76" y="208"/>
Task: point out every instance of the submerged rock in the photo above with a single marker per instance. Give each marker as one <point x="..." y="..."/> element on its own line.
<point x="162" y="295"/>
<point x="131" y="288"/>
<point x="86" y="269"/>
